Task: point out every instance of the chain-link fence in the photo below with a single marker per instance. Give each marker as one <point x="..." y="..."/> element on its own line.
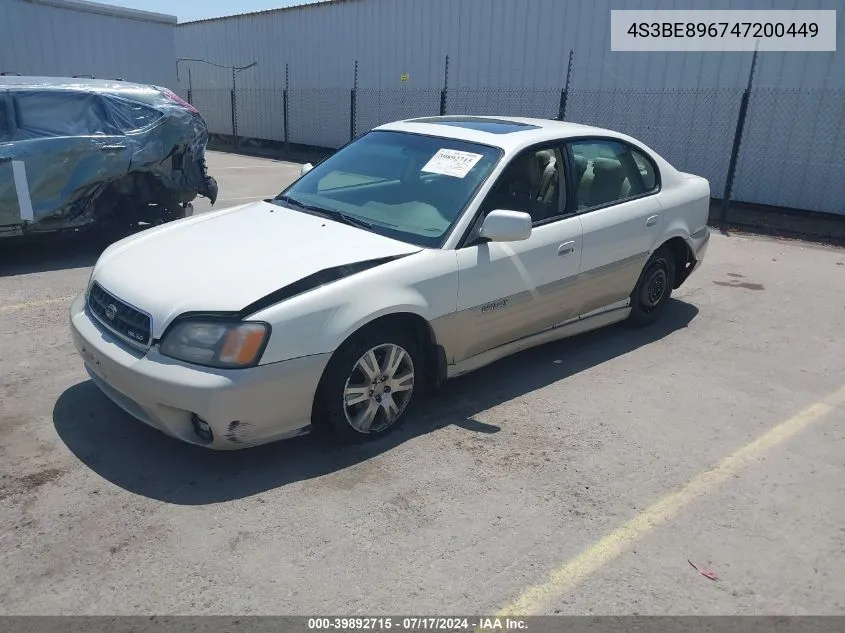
<point x="261" y="114"/>
<point x="535" y="103"/>
<point x="319" y="116"/>
<point x="374" y="107"/>
<point x="792" y="152"/>
<point x="215" y="105"/>
<point x="692" y="129"/>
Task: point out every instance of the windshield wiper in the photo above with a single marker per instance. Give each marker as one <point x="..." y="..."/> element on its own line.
<point x="299" y="205"/>
<point x="349" y="219"/>
<point x="331" y="213"/>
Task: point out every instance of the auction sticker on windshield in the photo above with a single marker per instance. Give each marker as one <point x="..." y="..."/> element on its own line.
<point x="451" y="162"/>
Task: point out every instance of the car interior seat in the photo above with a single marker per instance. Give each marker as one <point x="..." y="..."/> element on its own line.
<point x="523" y="177"/>
<point x="608" y="178"/>
<point x="582" y="183"/>
<point x="529" y="184"/>
<point x="581" y="165"/>
<point x="549" y="176"/>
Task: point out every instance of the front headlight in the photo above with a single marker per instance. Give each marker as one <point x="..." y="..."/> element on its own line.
<point x="217" y="343"/>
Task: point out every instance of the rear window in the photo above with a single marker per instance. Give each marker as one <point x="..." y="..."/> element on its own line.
<point x="131" y="115"/>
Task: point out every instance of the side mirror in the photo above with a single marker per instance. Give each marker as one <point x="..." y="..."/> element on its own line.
<point x="305" y="169"/>
<point x="506" y="226"/>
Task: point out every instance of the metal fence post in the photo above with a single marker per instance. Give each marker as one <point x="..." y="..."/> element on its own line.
<point x="285" y="116"/>
<point x="740" y="126"/>
<point x="445" y="92"/>
<point x="190" y="87"/>
<point x="234" y="111"/>
<point x="564" y="93"/>
<point x="353" y="103"/>
<point x="234" y="120"/>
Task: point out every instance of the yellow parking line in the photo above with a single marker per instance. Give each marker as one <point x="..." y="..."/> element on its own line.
<point x="578" y="569"/>
<point x="26" y="305"/>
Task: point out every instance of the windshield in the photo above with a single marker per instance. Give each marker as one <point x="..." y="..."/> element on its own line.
<point x="405" y="186"/>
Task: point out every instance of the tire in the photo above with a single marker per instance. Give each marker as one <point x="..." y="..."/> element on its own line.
<point x="175" y="211"/>
<point x="653" y="289"/>
<point x="339" y="416"/>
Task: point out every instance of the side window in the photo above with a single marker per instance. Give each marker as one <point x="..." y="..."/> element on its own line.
<point x="609" y="171"/>
<point x="533" y="182"/>
<point x="52" y="113"/>
<point x="647" y="170"/>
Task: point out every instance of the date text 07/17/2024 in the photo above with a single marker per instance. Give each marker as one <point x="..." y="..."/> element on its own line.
<point x="417" y="624"/>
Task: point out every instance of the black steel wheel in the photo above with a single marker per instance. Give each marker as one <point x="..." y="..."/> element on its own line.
<point x="654" y="288"/>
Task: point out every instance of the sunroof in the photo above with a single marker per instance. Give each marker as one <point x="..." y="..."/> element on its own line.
<point x="482" y="124"/>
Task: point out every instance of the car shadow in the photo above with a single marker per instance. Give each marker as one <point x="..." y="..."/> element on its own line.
<point x="142" y="460"/>
<point x="56" y="251"/>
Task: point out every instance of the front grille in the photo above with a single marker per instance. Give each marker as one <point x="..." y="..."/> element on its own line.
<point x="130" y="324"/>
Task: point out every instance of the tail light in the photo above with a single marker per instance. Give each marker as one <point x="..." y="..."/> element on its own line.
<point x="174" y="97"/>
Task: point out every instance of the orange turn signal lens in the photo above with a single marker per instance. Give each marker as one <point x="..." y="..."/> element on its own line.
<point x="243" y="344"/>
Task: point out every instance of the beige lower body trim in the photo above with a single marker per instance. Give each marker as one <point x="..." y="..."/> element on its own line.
<point x="597" y="319"/>
<point x="469" y="333"/>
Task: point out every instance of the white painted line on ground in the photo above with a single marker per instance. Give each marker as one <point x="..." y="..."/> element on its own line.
<point x="577" y="570"/>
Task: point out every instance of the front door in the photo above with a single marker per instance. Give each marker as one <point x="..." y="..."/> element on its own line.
<point x="509" y="290"/>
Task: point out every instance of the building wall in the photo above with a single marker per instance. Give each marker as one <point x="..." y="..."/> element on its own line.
<point x="509" y="57"/>
<point x="66" y="38"/>
<point x="491" y="43"/>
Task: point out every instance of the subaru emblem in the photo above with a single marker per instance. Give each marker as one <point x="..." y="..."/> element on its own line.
<point x="111" y="311"/>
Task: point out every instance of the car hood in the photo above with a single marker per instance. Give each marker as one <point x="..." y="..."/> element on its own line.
<point x="224" y="261"/>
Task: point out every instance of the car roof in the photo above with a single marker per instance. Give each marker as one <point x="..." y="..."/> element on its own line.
<point x="508" y="133"/>
<point x="72" y="83"/>
<point x="147" y="94"/>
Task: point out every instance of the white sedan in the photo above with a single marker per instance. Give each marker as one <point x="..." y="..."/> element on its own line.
<point x="424" y="249"/>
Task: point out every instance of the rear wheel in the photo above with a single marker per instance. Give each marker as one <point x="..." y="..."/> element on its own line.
<point x="654" y="288"/>
<point x="369" y="385"/>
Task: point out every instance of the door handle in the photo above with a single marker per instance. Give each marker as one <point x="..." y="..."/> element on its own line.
<point x="112" y="148"/>
<point x="652" y="220"/>
<point x="566" y="248"/>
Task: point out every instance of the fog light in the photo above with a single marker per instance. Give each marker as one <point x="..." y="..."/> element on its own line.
<point x="202" y="428"/>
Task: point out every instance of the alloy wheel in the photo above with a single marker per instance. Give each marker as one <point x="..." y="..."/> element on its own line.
<point x="379" y="388"/>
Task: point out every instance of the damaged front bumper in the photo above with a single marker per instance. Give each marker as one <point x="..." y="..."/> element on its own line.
<point x="242" y="407"/>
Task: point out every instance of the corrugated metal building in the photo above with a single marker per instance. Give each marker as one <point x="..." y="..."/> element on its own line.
<point x="73" y="37"/>
<point x="491" y="43"/>
<point x="510" y="57"/>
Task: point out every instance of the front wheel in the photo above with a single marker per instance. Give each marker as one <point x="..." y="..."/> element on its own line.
<point x="654" y="288"/>
<point x="173" y="212"/>
<point x="369" y="385"/>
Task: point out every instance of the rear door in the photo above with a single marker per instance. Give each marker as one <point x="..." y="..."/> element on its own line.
<point x="620" y="215"/>
<point x="66" y="144"/>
